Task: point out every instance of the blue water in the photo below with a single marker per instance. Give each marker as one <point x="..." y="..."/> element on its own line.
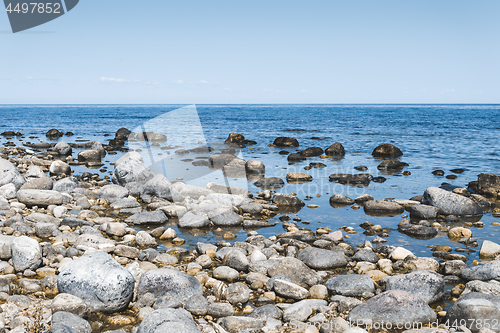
<point x="430" y="136"/>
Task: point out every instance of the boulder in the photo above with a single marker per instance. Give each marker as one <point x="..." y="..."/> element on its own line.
<point x="288" y="289"/>
<point x="311" y="152"/>
<point x="317" y="258"/>
<point x="169" y="284"/>
<point x="486" y="272"/>
<point x="427" y="285"/>
<point x="335" y="150"/>
<point x="59" y="167"/>
<point x="190" y="220"/>
<point x="9" y="174"/>
<point x="26" y="254"/>
<point x="89" y="156"/>
<point x="113" y="192"/>
<point x="285" y="142"/>
<point x="160" y="187"/>
<point x="62" y="148"/>
<point x="302" y="310"/>
<point x="65" y="185"/>
<point x="254" y="166"/>
<point x="42" y="183"/>
<point x="491" y="287"/>
<point x="424" y="212"/>
<point x="416" y="230"/>
<point x="67" y="322"/>
<point x="8" y="191"/>
<point x="224" y="217"/>
<point x="41" y="198"/>
<point x="54" y="133"/>
<point x="387" y="150"/>
<point x="489" y="249"/>
<point x="298" y="177"/>
<point x="271" y="182"/>
<point x="153" y="217"/>
<point x="168" y="320"/>
<point x="219" y="160"/>
<point x="474" y="310"/>
<point x="234" y="138"/>
<point x="382" y="207"/>
<point x="352" y="285"/>
<point x="131" y="168"/>
<point x="237" y="324"/>
<point x="296" y="270"/>
<point x="391" y="165"/>
<point x="362" y="179"/>
<point x="488" y="184"/>
<point x="450" y="203"/>
<point x="394" y="307"/>
<point x="287" y="200"/>
<point x="340" y="199"/>
<point x="101" y="282"/>
<point x="69" y="303"/>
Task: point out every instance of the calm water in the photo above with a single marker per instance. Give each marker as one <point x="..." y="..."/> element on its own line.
<point x="431" y="137"/>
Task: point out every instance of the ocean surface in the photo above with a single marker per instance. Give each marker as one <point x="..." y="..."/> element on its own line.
<point x="431" y="137"/>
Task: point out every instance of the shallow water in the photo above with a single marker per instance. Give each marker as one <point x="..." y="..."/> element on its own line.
<point x="431" y="137"/>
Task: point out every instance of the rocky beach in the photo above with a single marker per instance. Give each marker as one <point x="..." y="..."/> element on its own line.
<point x="120" y="247"/>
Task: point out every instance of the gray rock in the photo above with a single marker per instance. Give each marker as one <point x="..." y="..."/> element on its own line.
<point x="42" y="183"/>
<point x="6" y="247"/>
<point x="486" y="272"/>
<point x="62" y="148"/>
<point x="97" y="279"/>
<point x="366" y="255"/>
<point x="237" y="293"/>
<point x="45" y="230"/>
<point x="287" y="200"/>
<point x="322" y="259"/>
<point x="237" y="324"/>
<point x="354" y="285"/>
<point x="8" y="191"/>
<point x="26" y="254"/>
<point x="289" y="290"/>
<point x="33" y="172"/>
<point x="362" y="179"/>
<point x="302" y="310"/>
<point x="474" y="310"/>
<point x="416" y="230"/>
<point x="395" y="307"/>
<point x="69" y="303"/>
<point x="169" y="284"/>
<point x="190" y="220"/>
<point x="59" y="167"/>
<point x="197" y="305"/>
<point x="488" y="184"/>
<point x="65" y="185"/>
<point x="237" y="260"/>
<point x="219" y="310"/>
<point x="226" y="273"/>
<point x="296" y="270"/>
<point x="66" y="322"/>
<point x="10" y="174"/>
<point x="492" y="287"/>
<point x="423" y="212"/>
<point x="450" y="203"/>
<point x="89" y="156"/>
<point x="74" y="222"/>
<point x="254" y="166"/>
<point x="154" y="217"/>
<point x="453" y="267"/>
<point x="224" y="217"/>
<point x="271" y="182"/>
<point x="391" y="165"/>
<point x="131" y="168"/>
<point x="42" y="198"/>
<point x="340" y="199"/>
<point x="168" y="321"/>
<point x="427" y="285"/>
<point x="266" y="312"/>
<point x="113" y="192"/>
<point x="160" y="187"/>
<point x="382" y="207"/>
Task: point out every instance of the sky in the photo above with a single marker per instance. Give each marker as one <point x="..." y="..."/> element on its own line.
<point x="256" y="52"/>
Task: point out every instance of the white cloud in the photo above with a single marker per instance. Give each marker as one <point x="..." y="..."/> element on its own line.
<point x="448" y="91"/>
<point x="112" y="79"/>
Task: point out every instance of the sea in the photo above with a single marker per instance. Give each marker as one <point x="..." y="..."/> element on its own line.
<point x="431" y="137"/>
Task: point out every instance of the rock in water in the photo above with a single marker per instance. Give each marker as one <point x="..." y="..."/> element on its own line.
<point x="427" y="285"/>
<point x="9" y="174"/>
<point x="450" y="203"/>
<point x="489" y="249"/>
<point x="62" y="148"/>
<point x="131" y="168"/>
<point x="102" y="283"/>
<point x="26" y="254"/>
<point x="387" y="150"/>
<point x="383" y="207"/>
<point x="168" y="321"/>
<point x="286" y="142"/>
<point x="254" y="166"/>
<point x="335" y="150"/>
<point x="488" y="184"/>
<point x="169" y="284"/>
<point x="486" y="272"/>
<point x="287" y="200"/>
<point x="474" y="310"/>
<point x="394" y="307"/>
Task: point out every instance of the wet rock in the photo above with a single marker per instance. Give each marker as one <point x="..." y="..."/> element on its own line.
<point x="382" y="207"/>
<point x="160" y="187"/>
<point x="225" y="217"/>
<point x="97" y="279"/>
<point x="453" y="267"/>
<point x="42" y="198"/>
<point x="486" y="272"/>
<point x="298" y="177"/>
<point x="66" y="322"/>
<point x="131" y="168"/>
<point x="335" y="150"/>
<point x="488" y="184"/>
<point x="169" y="284"/>
<point x="89" y="156"/>
<point x="168" y="321"/>
<point x="311" y="152"/>
<point x="154" y="217"/>
<point x="353" y="285"/>
<point x="287" y="200"/>
<point x="296" y="270"/>
<point x="489" y="249"/>
<point x="9" y="174"/>
<point x="285" y="142"/>
<point x="395" y="307"/>
<point x="366" y="255"/>
<point x="219" y="160"/>
<point x="69" y="303"/>
<point x="427" y="285"/>
<point x="62" y="148"/>
<point x="391" y="165"/>
<point x="294" y="157"/>
<point x="322" y="259"/>
<point x="234" y="138"/>
<point x="450" y="203"/>
<point x="423" y="212"/>
<point x="417" y="230"/>
<point x="26" y="254"/>
<point x="190" y="220"/>
<point x="363" y="179"/>
<point x="271" y="182"/>
<point x="54" y="134"/>
<point x="254" y="166"/>
<point x="340" y="199"/>
<point x="459" y="233"/>
<point x="387" y="150"/>
<point x="474" y="309"/>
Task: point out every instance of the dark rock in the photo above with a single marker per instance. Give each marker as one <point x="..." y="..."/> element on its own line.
<point x="423" y="212"/>
<point x="438" y="173"/>
<point x="234" y="138"/>
<point x="417" y="230"/>
<point x="366" y="255"/>
<point x="358" y="179"/>
<point x="383" y="207"/>
<point x="340" y="199"/>
<point x="427" y="285"/>
<point x="294" y="157"/>
<point x="488" y="184"/>
<point x="391" y="165"/>
<point x="387" y="150"/>
<point x="335" y="150"/>
<point x="352" y="285"/>
<point x="54" y="134"/>
<point x="287" y="200"/>
<point x="286" y="142"/>
<point x="311" y="152"/>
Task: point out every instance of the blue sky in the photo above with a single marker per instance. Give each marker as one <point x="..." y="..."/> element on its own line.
<point x="194" y="52"/>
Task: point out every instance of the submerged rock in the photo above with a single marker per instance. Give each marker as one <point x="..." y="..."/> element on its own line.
<point x="450" y="203"/>
<point x="383" y="207"/>
<point x="286" y="142"/>
<point x="335" y="150"/>
<point x="387" y="150"/>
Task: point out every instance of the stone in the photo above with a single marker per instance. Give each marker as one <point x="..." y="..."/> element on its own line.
<point x="9" y="174"/>
<point x="395" y="307"/>
<point x="474" y="309"/>
<point x="362" y="179"/>
<point x="416" y="230"/>
<point x="340" y="199"/>
<point x="89" y="156"/>
<point x="62" y="148"/>
<point x="41" y="198"/>
<point x="6" y="247"/>
<point x="285" y="142"/>
<point x="26" y="254"/>
<point x="237" y="260"/>
<point x="400" y="253"/>
<point x="59" y="167"/>
<point x="427" y="285"/>
<point x="42" y="183"/>
<point x="296" y="270"/>
<point x="237" y="324"/>
<point x="491" y="287"/>
<point x="219" y="310"/>
<point x="488" y="184"/>
<point x="97" y="279"/>
<point x="366" y="255"/>
<point x="322" y="259"/>
<point x="311" y="152"/>
<point x="254" y="166"/>
<point x="8" y="191"/>
<point x="423" y="212"/>
<point x="287" y="200"/>
<point x="65" y="185"/>
<point x="54" y="133"/>
<point x="237" y="293"/>
<point x="387" y="150"/>
<point x="453" y="267"/>
<point x="69" y="303"/>
<point x="226" y="273"/>
<point x="450" y="203"/>
<point x="459" y="232"/>
<point x="169" y="284"/>
<point x="302" y="310"/>
<point x="113" y="192"/>
<point x="197" y="305"/>
<point x="190" y="220"/>
<point x="66" y="322"/>
<point x="154" y="217"/>
<point x="352" y="285"/>
<point x="145" y="240"/>
<point x="289" y="290"/>
<point x="224" y="217"/>
<point x="298" y="177"/>
<point x="391" y="165"/>
<point x="486" y="272"/>
<point x="489" y="249"/>
<point x="168" y="320"/>
<point x="269" y="183"/>
<point x="335" y="150"/>
<point x="160" y="187"/>
<point x="131" y="168"/>
<point x="45" y="230"/>
<point x="382" y="207"/>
